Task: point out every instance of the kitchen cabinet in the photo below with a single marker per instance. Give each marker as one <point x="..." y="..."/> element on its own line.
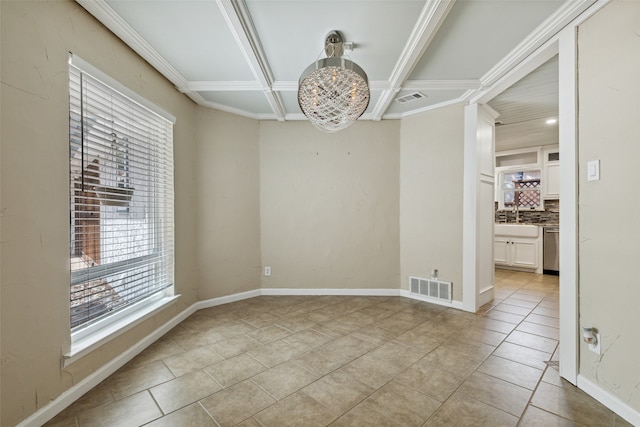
<point x="551" y="172"/>
<point x="516" y="252"/>
<point x="518" y="247"/>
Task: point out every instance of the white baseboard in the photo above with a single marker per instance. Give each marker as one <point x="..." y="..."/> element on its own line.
<point x="226" y="299"/>
<point x="609" y="400"/>
<point x="453" y="304"/>
<point x="331" y="291"/>
<point x="485" y="296"/>
<point x="76" y="391"/>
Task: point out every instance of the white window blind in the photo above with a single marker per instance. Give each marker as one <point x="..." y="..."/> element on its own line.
<point x="121" y="199"/>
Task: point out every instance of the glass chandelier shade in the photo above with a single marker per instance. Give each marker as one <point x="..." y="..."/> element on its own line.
<point x="333" y="92"/>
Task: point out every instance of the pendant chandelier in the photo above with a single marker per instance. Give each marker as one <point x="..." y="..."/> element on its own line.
<point x="333" y="92"/>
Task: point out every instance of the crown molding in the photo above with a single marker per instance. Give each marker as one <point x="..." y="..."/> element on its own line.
<point x="433" y="13"/>
<point x="118" y="26"/>
<point x="431" y="17"/>
<point x="233" y="110"/>
<point x="545" y="31"/>
<point x="572" y="14"/>
<point x="441" y="84"/>
<point x="223" y="86"/>
<point x="397" y="116"/>
<point x="196" y="97"/>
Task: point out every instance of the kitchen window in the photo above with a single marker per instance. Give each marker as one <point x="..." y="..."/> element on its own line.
<point x="520" y="189"/>
<point x="121" y="203"/>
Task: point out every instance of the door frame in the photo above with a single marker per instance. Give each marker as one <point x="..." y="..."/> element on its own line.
<point x="563" y="45"/>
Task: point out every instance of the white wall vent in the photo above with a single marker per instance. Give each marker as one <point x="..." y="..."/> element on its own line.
<point x="431" y="288"/>
<point x="410" y="97"/>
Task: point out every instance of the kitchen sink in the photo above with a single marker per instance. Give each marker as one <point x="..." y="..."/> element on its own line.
<point x="517" y="230"/>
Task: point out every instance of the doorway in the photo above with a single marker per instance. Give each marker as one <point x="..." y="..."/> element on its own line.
<point x="564" y="47"/>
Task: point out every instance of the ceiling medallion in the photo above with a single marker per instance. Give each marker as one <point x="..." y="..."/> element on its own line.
<point x="333" y="92"/>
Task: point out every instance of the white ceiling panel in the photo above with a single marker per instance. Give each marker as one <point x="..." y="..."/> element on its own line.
<point x="246" y="56"/>
<point x="478" y="34"/>
<point x="293" y="32"/>
<point x="532" y="133"/>
<point x="526" y="106"/>
<point x="533" y="97"/>
<point x="290" y="100"/>
<point x="191" y="35"/>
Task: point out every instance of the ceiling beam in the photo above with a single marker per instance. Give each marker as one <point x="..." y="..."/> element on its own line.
<point x="374" y="85"/>
<point x="521" y="60"/>
<point x="441" y="84"/>
<point x="292" y="86"/>
<point x="236" y="14"/>
<point x="431" y="17"/>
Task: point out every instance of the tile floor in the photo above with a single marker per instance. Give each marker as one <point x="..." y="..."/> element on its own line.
<point x="352" y="361"/>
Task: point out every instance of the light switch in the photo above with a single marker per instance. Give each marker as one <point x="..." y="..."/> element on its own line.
<point x="593" y="170"/>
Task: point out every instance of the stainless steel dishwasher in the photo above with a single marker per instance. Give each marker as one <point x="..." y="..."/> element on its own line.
<point x="551" y="250"/>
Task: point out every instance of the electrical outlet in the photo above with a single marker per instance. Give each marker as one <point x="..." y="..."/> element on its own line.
<point x="595" y="347"/>
<point x="267" y="271"/>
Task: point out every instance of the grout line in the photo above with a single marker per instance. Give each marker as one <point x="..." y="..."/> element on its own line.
<point x="393" y="311"/>
<point x="207" y="412"/>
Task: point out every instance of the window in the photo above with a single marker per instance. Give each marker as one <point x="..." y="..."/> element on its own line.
<point x="121" y="199"/>
<point x="520" y="189"/>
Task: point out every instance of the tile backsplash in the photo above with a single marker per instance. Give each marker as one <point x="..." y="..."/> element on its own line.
<point x="550" y="215"/>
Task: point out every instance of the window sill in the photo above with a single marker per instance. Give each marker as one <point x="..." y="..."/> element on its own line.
<point x="82" y="347"/>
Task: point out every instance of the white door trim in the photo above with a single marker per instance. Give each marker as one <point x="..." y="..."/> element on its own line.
<point x="565" y="45"/>
<point x="568" y="122"/>
<point x="567" y="41"/>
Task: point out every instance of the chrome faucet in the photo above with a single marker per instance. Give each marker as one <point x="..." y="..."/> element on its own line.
<point x="516" y="210"/>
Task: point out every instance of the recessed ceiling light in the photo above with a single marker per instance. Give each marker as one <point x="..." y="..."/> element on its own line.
<point x="551" y="121"/>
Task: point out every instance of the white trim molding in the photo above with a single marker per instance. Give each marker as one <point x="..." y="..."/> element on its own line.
<point x="213" y="302"/>
<point x="431" y="17"/>
<point x="331" y="291"/>
<point x="72" y="394"/>
<point x="76" y="391"/>
<point x="113" y="329"/>
<point x="609" y="400"/>
<point x="453" y="304"/>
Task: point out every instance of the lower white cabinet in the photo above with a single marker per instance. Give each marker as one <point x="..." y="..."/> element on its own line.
<point x="518" y="252"/>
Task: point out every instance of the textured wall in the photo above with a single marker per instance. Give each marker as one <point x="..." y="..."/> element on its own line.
<point x="36" y="39"/>
<point x="431" y="187"/>
<point x="329" y="205"/>
<point x="609" y="218"/>
<point x="228" y="174"/>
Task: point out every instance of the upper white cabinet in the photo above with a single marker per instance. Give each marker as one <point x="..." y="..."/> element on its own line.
<point x="551" y="172"/>
<point x="518" y="158"/>
<point x="519" y="179"/>
<point x="526" y="177"/>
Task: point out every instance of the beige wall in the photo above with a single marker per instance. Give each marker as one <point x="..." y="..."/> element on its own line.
<point x="36" y="39"/>
<point x="228" y="220"/>
<point x="329" y="205"/>
<point x="609" y="219"/>
<point x="431" y="187"/>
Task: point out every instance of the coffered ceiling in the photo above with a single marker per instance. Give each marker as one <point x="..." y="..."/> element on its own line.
<point x="245" y="56"/>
